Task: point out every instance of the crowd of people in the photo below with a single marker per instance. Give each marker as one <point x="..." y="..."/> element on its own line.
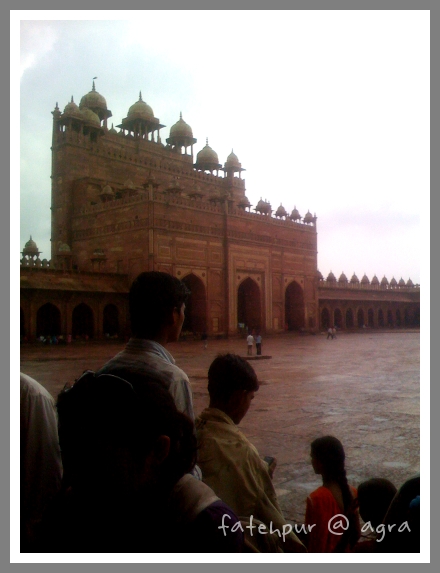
<point x="120" y="463"/>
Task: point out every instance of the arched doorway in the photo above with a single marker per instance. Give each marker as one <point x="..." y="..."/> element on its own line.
<point x="408" y="320"/>
<point x="195" y="311"/>
<point x="325" y="318"/>
<point x="390" y="320"/>
<point x="249" y="305"/>
<point x="398" y="318"/>
<point x="380" y="320"/>
<point x="370" y="318"/>
<point x="110" y="323"/>
<point x="349" y="319"/>
<point x="360" y="318"/>
<point x="294" y="306"/>
<point x="48" y="320"/>
<point x="338" y="318"/>
<point x="82" y="321"/>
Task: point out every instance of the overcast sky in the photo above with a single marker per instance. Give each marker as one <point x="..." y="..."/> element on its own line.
<point x="327" y="111"/>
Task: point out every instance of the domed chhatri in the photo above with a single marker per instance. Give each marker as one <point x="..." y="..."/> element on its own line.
<point x="319" y="275"/>
<point x="295" y="216"/>
<point x="354" y="279"/>
<point x="96" y="102"/>
<point x="331" y="277"/>
<point x="207" y="159"/>
<point x="181" y="135"/>
<point x="233" y="165"/>
<point x="365" y="280"/>
<point x="401" y="282"/>
<point x="90" y="117"/>
<point x="72" y="110"/>
<point x="384" y="281"/>
<point x="409" y="283"/>
<point x="308" y="219"/>
<point x="30" y="249"/>
<point x="281" y="212"/>
<point x="375" y="280"/>
<point x="343" y="278"/>
<point x="393" y="282"/>
<point x="140" y="122"/>
<point x="140" y="110"/>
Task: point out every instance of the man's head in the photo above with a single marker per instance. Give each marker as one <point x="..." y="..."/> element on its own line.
<point x="157" y="306"/>
<point x="375" y="496"/>
<point x="232" y="383"/>
<point x="122" y="435"/>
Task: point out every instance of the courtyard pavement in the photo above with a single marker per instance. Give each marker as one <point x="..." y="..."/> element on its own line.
<point x="363" y="388"/>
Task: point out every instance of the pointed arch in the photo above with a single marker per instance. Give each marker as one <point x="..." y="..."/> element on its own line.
<point x="249" y="304"/>
<point x="360" y="318"/>
<point x="110" y="321"/>
<point x="82" y="321"/>
<point x="380" y="318"/>
<point x="294" y="306"/>
<point x="325" y="318"/>
<point x="195" y="310"/>
<point x="337" y="318"/>
<point x="349" y="318"/>
<point x="371" y="318"/>
<point x="48" y="320"/>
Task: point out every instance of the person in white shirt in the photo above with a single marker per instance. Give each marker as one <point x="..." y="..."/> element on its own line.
<point x="250" y="343"/>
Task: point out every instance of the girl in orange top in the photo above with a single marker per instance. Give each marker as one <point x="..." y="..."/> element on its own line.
<point x="331" y="509"/>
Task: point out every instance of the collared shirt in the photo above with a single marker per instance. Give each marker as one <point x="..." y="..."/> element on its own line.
<point x="232" y="467"/>
<point x="149" y="358"/>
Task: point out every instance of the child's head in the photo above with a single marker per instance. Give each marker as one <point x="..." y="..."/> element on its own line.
<point x="328" y="456"/>
<point x="375" y="496"/>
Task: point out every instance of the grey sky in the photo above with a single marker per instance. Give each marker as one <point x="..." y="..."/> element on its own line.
<point x="327" y="111"/>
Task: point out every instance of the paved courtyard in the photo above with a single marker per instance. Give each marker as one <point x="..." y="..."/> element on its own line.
<point x="361" y="387"/>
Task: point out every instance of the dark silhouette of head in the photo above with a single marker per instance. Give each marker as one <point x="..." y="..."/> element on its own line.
<point x="153" y="298"/>
<point x="232" y="383"/>
<point x="375" y="496"/>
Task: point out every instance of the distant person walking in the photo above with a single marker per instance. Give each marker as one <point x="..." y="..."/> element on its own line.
<point x="334" y="332"/>
<point x="258" y="341"/>
<point x="205" y="340"/>
<point x="250" y="343"/>
<point x="330" y="333"/>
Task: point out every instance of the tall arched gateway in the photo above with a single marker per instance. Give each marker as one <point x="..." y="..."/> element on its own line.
<point x="294" y="305"/>
<point x="249" y="305"/>
<point x="195" y="311"/>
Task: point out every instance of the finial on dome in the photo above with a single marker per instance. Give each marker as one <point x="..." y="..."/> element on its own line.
<point x="140" y="96"/>
<point x="93" y="86"/>
<point x="206" y="141"/>
<point x="180" y="115"/>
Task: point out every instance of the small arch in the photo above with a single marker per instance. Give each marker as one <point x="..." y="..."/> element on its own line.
<point x="371" y="318"/>
<point x="380" y="318"/>
<point x="360" y="318"/>
<point x="249" y="305"/>
<point x="82" y="321"/>
<point x="349" y="318"/>
<point x="325" y="318"/>
<point x="337" y="318"/>
<point x="398" y="318"/>
<point x="48" y="320"/>
<point x="390" y="319"/>
<point x="294" y="306"/>
<point x="110" y="322"/>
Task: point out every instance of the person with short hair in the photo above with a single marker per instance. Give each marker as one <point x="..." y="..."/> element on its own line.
<point x="127" y="453"/>
<point x="230" y="464"/>
<point x="157" y="311"/>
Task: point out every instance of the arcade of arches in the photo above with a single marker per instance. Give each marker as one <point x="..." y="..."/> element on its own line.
<point x="358" y="315"/>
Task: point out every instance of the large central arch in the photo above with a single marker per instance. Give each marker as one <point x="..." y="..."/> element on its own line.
<point x="294" y="306"/>
<point x="195" y="311"/>
<point x="249" y="305"/>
